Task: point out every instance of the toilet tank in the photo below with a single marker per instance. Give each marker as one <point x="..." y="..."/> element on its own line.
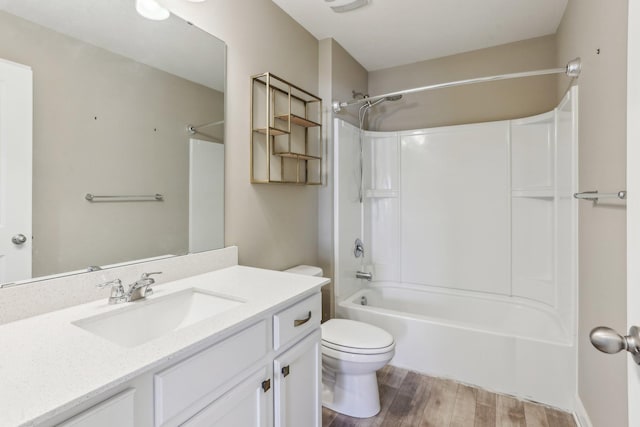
<point x="311" y="270"/>
<point x="307" y="270"/>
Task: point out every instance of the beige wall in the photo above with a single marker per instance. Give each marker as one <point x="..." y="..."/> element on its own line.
<point x="589" y="25"/>
<point x="347" y="76"/>
<point x="339" y="75"/>
<point x="274" y="226"/>
<point x="107" y="125"/>
<point x="467" y="104"/>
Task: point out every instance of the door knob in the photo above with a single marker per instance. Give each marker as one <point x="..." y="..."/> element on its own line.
<point x="609" y="341"/>
<point x="19" y="239"/>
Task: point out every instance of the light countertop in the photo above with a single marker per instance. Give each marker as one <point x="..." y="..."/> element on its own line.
<point x="49" y="365"/>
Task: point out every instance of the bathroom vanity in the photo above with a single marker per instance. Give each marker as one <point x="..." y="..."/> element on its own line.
<point x="252" y="360"/>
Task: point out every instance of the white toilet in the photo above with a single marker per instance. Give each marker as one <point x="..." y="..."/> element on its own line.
<point x="352" y="352"/>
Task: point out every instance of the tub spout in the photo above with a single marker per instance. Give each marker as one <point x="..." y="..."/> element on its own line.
<point x="363" y="275"/>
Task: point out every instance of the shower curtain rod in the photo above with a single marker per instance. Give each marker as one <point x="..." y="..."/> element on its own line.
<point x="572" y="69"/>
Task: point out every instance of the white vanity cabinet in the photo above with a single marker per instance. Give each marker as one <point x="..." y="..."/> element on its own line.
<point x="294" y="400"/>
<point x="211" y="365"/>
<point x="265" y="374"/>
<point x="291" y="397"/>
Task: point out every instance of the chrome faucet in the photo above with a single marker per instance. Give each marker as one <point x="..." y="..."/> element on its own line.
<point x="140" y="289"/>
<point x="137" y="290"/>
<point x="363" y="275"/>
<point x="117" y="291"/>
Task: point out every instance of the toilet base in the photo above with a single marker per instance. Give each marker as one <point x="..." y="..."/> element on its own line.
<point x="353" y="395"/>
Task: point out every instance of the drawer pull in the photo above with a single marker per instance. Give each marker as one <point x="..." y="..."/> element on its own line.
<point x="299" y="322"/>
<point x="285" y="371"/>
<point x="266" y="385"/>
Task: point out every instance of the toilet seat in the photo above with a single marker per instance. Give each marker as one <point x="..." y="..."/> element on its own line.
<point x="357" y="357"/>
<point x="351" y="336"/>
<point x="356" y="350"/>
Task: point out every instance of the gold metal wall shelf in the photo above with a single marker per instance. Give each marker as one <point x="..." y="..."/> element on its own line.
<point x="286" y="133"/>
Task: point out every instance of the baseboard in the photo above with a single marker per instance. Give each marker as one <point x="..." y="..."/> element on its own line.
<point x="580" y="414"/>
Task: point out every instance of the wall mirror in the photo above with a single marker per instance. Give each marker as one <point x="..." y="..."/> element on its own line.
<point x="113" y="94"/>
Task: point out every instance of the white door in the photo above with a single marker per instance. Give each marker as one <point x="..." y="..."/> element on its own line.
<point x="297" y="384"/>
<point x="633" y="202"/>
<point x="15" y="171"/>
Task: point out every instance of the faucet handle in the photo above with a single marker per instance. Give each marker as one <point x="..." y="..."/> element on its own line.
<point x="150" y="281"/>
<point x="114" y="282"/>
<point x="117" y="290"/>
<point x="146" y="275"/>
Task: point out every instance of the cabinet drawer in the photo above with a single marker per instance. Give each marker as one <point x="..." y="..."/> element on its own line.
<point x="115" y="411"/>
<point x="297" y="320"/>
<point x="189" y="386"/>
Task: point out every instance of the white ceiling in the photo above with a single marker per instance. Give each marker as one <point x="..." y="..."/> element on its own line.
<point x="172" y="45"/>
<point x="387" y="33"/>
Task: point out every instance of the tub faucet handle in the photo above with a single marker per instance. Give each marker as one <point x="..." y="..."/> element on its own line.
<point x="358" y="250"/>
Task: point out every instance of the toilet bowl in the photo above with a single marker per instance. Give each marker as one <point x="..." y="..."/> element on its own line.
<point x="352" y="352"/>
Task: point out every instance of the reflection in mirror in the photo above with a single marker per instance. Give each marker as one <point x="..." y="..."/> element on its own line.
<point x="113" y="95"/>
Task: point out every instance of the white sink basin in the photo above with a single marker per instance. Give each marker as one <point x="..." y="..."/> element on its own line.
<point x="142" y="321"/>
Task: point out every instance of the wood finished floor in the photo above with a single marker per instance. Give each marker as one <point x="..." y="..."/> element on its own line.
<point x="409" y="399"/>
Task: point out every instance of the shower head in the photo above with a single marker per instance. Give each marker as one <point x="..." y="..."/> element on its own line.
<point x="367" y="103"/>
<point x="381" y="100"/>
<point x="370" y="104"/>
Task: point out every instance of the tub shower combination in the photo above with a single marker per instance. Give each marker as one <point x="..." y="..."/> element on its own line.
<point x="469" y="234"/>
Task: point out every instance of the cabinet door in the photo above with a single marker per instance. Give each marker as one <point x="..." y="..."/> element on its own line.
<point x="297" y="384"/>
<point x="245" y="405"/>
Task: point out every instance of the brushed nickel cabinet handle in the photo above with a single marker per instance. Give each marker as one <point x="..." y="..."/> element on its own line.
<point x="299" y="322"/>
<point x="285" y="371"/>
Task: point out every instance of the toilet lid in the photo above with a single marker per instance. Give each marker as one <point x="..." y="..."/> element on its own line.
<point x="354" y="335"/>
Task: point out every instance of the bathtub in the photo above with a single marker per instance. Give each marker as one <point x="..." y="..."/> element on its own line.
<point x="498" y="343"/>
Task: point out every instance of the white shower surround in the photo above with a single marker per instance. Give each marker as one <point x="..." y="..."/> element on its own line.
<point x="501" y="192"/>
